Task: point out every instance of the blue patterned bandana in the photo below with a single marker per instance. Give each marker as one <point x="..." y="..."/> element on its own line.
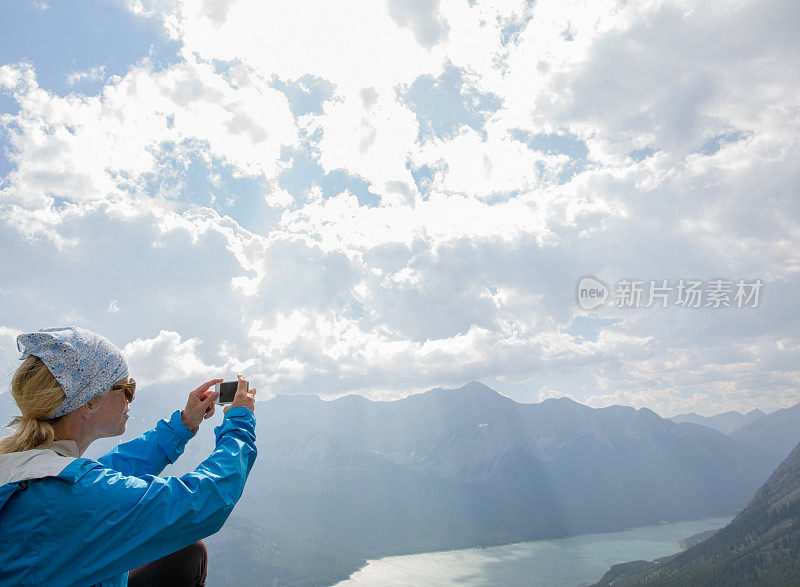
<point x="83" y="362"/>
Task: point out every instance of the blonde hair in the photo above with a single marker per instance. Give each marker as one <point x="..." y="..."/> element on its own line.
<point x="37" y="394"/>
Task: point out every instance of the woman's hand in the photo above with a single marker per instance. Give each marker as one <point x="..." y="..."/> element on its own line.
<point x="200" y="405"/>
<point x="244" y="397"/>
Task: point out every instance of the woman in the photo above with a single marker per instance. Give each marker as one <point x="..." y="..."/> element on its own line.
<point x="67" y="520"/>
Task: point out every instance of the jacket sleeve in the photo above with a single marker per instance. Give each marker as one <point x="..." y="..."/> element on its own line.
<point x="110" y="523"/>
<point x="150" y="453"/>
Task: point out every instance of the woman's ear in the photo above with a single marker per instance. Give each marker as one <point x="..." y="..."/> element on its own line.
<point x="91" y="406"/>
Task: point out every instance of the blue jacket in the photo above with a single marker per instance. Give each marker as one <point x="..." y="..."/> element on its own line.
<point x="74" y="521"/>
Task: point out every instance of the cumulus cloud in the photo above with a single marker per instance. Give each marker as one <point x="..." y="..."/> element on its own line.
<point x="283" y="39"/>
<point x="422" y="17"/>
<point x="372" y="142"/>
<point x="166" y="358"/>
<point x="112" y="144"/>
<point x="383" y="197"/>
<point x="332" y="354"/>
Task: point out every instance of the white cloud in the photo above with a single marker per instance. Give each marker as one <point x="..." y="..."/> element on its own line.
<point x="91" y="74"/>
<point x="666" y="75"/>
<point x="546" y="392"/>
<point x="422" y="17"/>
<point x="467" y="164"/>
<point x="314" y="37"/>
<point x="372" y="142"/>
<point x="686" y="111"/>
<point x="339" y="222"/>
<point x="93" y="147"/>
<point x="166" y="358"/>
<point x="335" y="354"/>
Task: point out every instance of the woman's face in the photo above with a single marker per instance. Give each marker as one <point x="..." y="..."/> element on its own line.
<point x="112" y="414"/>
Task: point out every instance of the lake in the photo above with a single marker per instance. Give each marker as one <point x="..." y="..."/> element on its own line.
<point x="577" y="560"/>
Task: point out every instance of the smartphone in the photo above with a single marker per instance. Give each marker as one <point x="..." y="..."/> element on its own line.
<point x="226" y="390"/>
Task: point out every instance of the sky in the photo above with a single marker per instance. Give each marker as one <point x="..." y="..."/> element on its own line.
<point x="380" y="197"/>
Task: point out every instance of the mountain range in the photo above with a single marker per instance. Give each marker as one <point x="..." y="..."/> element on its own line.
<point x="727" y="422"/>
<point x="776" y="433"/>
<point x="339" y="482"/>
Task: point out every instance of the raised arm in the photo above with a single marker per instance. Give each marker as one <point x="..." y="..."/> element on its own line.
<point x="112" y="523"/>
<point x="151" y="452"/>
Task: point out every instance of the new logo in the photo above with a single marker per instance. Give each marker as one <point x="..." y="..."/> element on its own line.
<point x="591" y="293"/>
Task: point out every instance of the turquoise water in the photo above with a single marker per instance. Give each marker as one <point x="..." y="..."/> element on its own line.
<point x="577" y="560"/>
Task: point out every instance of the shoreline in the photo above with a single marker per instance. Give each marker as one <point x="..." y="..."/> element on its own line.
<point x="497" y="545"/>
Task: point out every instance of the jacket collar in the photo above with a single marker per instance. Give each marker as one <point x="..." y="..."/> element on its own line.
<point x="66" y="448"/>
<point x="47" y="460"/>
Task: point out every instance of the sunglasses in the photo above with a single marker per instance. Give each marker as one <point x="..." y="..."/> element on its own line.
<point x="128" y="388"/>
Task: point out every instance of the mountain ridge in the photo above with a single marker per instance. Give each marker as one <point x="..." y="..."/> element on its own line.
<point x="726" y="422"/>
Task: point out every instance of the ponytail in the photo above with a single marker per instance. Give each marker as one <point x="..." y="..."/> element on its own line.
<point x="37" y="394"/>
